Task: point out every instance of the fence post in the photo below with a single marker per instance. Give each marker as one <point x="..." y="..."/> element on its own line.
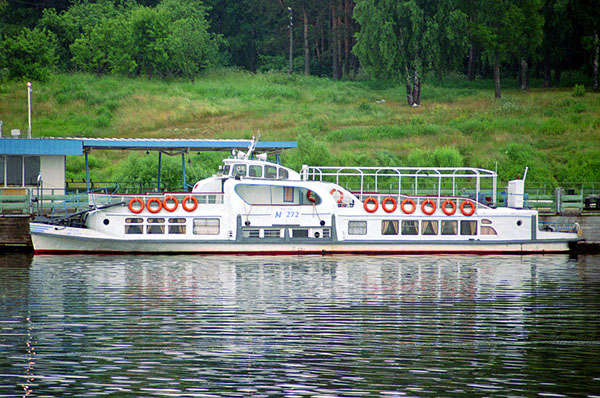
<point x="557" y="199"/>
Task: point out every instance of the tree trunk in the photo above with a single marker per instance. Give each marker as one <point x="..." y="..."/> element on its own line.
<point x="547" y="72"/>
<point x="524" y="74"/>
<point x="306" y="47"/>
<point x="471" y="65"/>
<point x="497" y="78"/>
<point x="596" y="60"/>
<point x="347" y="36"/>
<point x="333" y="42"/>
<point x="416" y="88"/>
<point x="409" y="94"/>
<point x="339" y="46"/>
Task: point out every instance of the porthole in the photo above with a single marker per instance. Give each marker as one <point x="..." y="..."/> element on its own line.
<point x="519" y="223"/>
<point x="106" y="221"/>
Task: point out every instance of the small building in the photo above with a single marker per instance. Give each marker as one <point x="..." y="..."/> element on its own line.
<point x="22" y="160"/>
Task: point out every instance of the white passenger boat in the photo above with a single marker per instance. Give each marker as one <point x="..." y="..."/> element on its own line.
<point x="253" y="206"/>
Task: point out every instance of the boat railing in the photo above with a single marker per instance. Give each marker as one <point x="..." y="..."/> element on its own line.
<point x="552" y="226"/>
<point x="419" y="199"/>
<point x="104" y="199"/>
<point x="438" y="182"/>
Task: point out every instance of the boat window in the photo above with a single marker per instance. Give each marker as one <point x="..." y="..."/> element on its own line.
<point x="239" y="170"/>
<point x="485" y="230"/>
<point x="251" y="233"/>
<point x="226" y="170"/>
<point x="272" y="233"/>
<point x="283" y="174"/>
<point x="486" y="221"/>
<point x="156" y="220"/>
<point x="206" y="226"/>
<point x="449" y="227"/>
<point x="155" y="229"/>
<point x="133" y="229"/>
<point x="468" y="227"/>
<point x="137" y="220"/>
<point x="270" y="172"/>
<point x="357" y="227"/>
<point x="276" y="195"/>
<point x="177" y="229"/>
<point x="410" y="227"/>
<point x="389" y="227"/>
<point x="299" y="233"/>
<point x="429" y="227"/>
<point x="255" y="171"/>
<point x="177" y="220"/>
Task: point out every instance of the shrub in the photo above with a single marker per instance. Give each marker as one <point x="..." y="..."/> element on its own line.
<point x="29" y="55"/>
<point x="578" y="90"/>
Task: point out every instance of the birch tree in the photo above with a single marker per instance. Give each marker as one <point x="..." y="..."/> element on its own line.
<point x="402" y="40"/>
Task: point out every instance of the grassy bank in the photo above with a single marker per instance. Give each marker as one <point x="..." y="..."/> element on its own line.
<point x="368" y="123"/>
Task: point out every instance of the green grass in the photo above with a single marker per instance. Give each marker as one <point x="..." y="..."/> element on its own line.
<point x="554" y="133"/>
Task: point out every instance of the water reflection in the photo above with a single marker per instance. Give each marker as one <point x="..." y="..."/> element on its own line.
<point x="300" y="326"/>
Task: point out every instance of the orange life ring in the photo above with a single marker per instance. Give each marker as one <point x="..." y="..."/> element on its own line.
<point x="340" y="192"/>
<point x="370" y="199"/>
<point x="445" y="209"/>
<point x="310" y="198"/>
<point x="412" y="203"/>
<point x="150" y="209"/>
<point x="136" y="200"/>
<point x="428" y="212"/>
<point x="166" y="200"/>
<point x="394" y="204"/>
<point x="192" y="207"/>
<point x="462" y="208"/>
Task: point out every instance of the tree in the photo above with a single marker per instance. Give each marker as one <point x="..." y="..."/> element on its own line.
<point x="405" y="39"/>
<point x="505" y="29"/>
<point x="29" y="55"/>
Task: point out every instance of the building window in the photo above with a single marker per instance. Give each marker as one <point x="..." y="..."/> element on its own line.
<point x="389" y="227"/>
<point x="206" y="226"/>
<point x="14" y="171"/>
<point x="32" y="169"/>
<point x="410" y="227"/>
<point x="429" y="227"/>
<point x="468" y="227"/>
<point x="449" y="227"/>
<point x="2" y="171"/>
<point x="357" y="227"/>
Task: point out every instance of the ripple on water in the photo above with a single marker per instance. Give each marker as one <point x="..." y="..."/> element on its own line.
<point x="340" y="326"/>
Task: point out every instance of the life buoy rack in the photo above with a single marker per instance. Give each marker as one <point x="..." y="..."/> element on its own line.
<point x="168" y="207"/>
<point x="424" y="207"/>
<point x="389" y="209"/>
<point x="339" y="192"/>
<point x="366" y="204"/>
<point x="309" y="197"/>
<point x="470" y="204"/>
<point x="133" y="209"/>
<point x="156" y="209"/>
<point x="445" y="209"/>
<point x="403" y="206"/>
<point x="186" y="207"/>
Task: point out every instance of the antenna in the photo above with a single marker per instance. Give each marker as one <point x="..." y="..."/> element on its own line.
<point x="252" y="146"/>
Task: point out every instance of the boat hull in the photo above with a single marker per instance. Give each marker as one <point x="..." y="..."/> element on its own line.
<point x="77" y="240"/>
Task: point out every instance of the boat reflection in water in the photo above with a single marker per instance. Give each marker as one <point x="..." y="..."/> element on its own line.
<point x="300" y="326"/>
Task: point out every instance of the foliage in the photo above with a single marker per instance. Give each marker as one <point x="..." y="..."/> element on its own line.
<point x="29" y="55"/>
<point x="579" y="90"/>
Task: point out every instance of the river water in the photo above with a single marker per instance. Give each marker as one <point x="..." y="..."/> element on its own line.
<point x="293" y="326"/>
